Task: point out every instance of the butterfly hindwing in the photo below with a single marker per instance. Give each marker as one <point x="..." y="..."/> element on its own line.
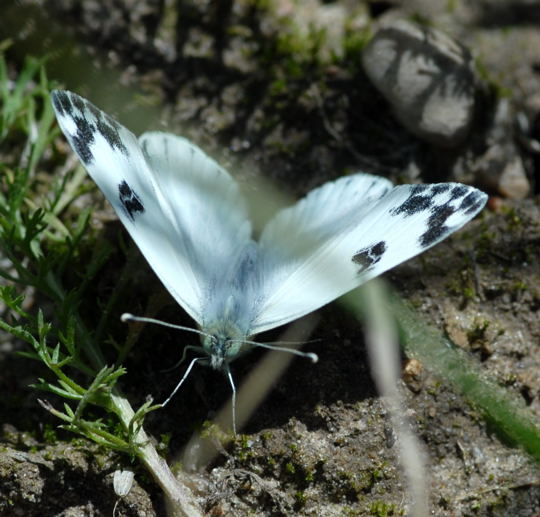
<point x="203" y="200"/>
<point x="336" y="239"/>
<point x="208" y="208"/>
<point x="299" y="243"/>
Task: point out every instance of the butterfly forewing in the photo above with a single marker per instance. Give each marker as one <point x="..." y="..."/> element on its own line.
<point x="336" y="239"/>
<point x="114" y="159"/>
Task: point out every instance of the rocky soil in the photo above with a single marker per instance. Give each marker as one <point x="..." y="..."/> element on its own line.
<point x="267" y="95"/>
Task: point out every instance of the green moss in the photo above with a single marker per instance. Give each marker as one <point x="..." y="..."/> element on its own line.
<point x="244" y="449"/>
<point x="353" y="44"/>
<point x="478" y="331"/>
<point x="352" y="485"/>
<point x="520" y="285"/>
<point x="469" y="292"/>
<point x="300" y="499"/>
<point x="177" y="468"/>
<point x="310" y="476"/>
<point x="513" y="219"/>
<point x="277" y="87"/>
<point x="266" y="435"/>
<point x="377" y="474"/>
<point x="77" y="441"/>
<point x="290" y="468"/>
<point x="383" y="509"/>
<point x="270" y="461"/>
<point x="475" y="505"/>
<point x="463" y="284"/>
<point x="163" y="445"/>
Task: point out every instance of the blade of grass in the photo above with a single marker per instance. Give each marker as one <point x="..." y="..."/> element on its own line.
<point x="505" y="411"/>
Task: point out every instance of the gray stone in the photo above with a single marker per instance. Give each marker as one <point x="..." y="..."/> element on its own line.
<point x="501" y="167"/>
<point x="428" y="79"/>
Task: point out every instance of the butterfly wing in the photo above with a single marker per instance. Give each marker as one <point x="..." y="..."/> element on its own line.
<point x="157" y="187"/>
<point x="347" y="232"/>
<point x="208" y="210"/>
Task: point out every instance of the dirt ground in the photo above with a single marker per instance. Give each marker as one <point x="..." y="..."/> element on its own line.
<point x="244" y="85"/>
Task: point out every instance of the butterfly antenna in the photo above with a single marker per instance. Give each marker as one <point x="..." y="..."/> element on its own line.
<point x="291" y="342"/>
<point x="231" y="381"/>
<point x="309" y="355"/>
<point x="181" y="380"/>
<point x="130" y="317"/>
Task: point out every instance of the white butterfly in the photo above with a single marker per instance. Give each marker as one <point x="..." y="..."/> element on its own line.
<point x="189" y="220"/>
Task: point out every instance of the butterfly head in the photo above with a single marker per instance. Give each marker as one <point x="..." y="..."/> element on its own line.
<point x="223" y="343"/>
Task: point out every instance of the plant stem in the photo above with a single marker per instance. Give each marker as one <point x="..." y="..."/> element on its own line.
<point x="182" y="501"/>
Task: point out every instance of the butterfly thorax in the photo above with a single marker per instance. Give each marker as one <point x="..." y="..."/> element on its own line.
<point x="226" y="328"/>
<point x="223" y="342"/>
